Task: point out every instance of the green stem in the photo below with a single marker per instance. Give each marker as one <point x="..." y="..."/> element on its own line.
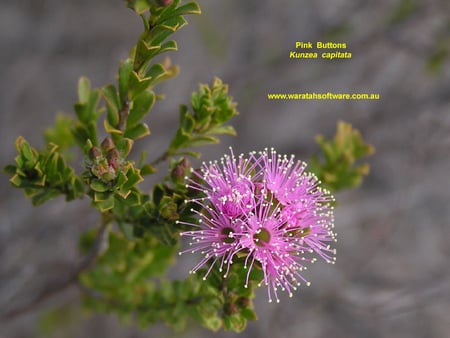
<point x="161" y="158"/>
<point x="123" y="115"/>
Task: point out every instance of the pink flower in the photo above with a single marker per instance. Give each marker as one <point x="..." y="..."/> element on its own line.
<point x="274" y="249"/>
<point x="228" y="186"/>
<point x="305" y="206"/>
<point x="217" y="238"/>
<point x="268" y="209"/>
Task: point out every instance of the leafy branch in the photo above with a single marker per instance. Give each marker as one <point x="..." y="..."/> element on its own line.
<point x="127" y="257"/>
<point x="140" y="265"/>
<point x="338" y="168"/>
<point x="44" y="174"/>
<point x="148" y="236"/>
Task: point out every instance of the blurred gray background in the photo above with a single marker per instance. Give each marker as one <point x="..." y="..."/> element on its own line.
<point x="392" y="277"/>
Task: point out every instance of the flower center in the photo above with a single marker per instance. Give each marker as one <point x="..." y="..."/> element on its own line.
<point x="226" y="238"/>
<point x="261" y="237"/>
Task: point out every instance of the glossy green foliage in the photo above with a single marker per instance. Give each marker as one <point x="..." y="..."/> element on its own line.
<point x="87" y="113"/>
<point x="160" y="23"/>
<point x="158" y="214"/>
<point x="43" y="174"/>
<point x="122" y="190"/>
<point x="211" y="108"/>
<point x="338" y="169"/>
<point x="129" y="280"/>
<point x="110" y="177"/>
<point x="142" y="233"/>
<point x="139" y="235"/>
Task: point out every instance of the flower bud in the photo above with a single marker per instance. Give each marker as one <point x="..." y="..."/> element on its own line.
<point x="167" y="63"/>
<point x="181" y="170"/>
<point x="164" y="3"/>
<point x="108" y="144"/>
<point x="94" y="153"/>
<point x="243" y="302"/>
<point x="230" y="309"/>
<point x="102" y="171"/>
<point x="114" y="158"/>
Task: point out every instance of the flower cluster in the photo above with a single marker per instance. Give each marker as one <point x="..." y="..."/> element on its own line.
<point x="266" y="210"/>
<point x="105" y="162"/>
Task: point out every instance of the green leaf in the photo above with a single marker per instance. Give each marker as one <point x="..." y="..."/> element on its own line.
<point x="112" y="104"/>
<point x="155" y="71"/>
<point x="44" y="196"/>
<point x="121" y="178"/>
<point x="193" y="154"/>
<point x="187" y="124"/>
<point x="16" y="180"/>
<point x="125" y="69"/>
<point x="235" y="323"/>
<point x="179" y="141"/>
<point x="99" y="186"/>
<point x="84" y="90"/>
<point x="212" y="108"/>
<point x="138" y="131"/>
<point x="202" y="140"/>
<point x="80" y="134"/>
<point x="212" y="323"/>
<point x="137" y="85"/>
<point x="42" y="174"/>
<point x="86" y="111"/>
<point x="91" y="129"/>
<point x="101" y="196"/>
<point x="104" y="205"/>
<point x="339" y="169"/>
<point x="82" y="112"/>
<point x="86" y="106"/>
<point x="168" y="46"/>
<point x="139" y="6"/>
<point x="248" y="314"/>
<point x="25" y="150"/>
<point x="168" y="208"/>
<point x="53" y="166"/>
<point x="10" y="169"/>
<point x="133" y="178"/>
<point x="141" y="106"/>
<point x="147" y="169"/>
<point x="226" y="130"/>
<point x="133" y="198"/>
<point x="189" y="8"/>
<point x="158" y="193"/>
<point x="162" y="31"/>
<point x="144" y="53"/>
<point x="111" y="129"/>
<point x="124" y="145"/>
<point x="77" y="186"/>
<point x="92" y="105"/>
